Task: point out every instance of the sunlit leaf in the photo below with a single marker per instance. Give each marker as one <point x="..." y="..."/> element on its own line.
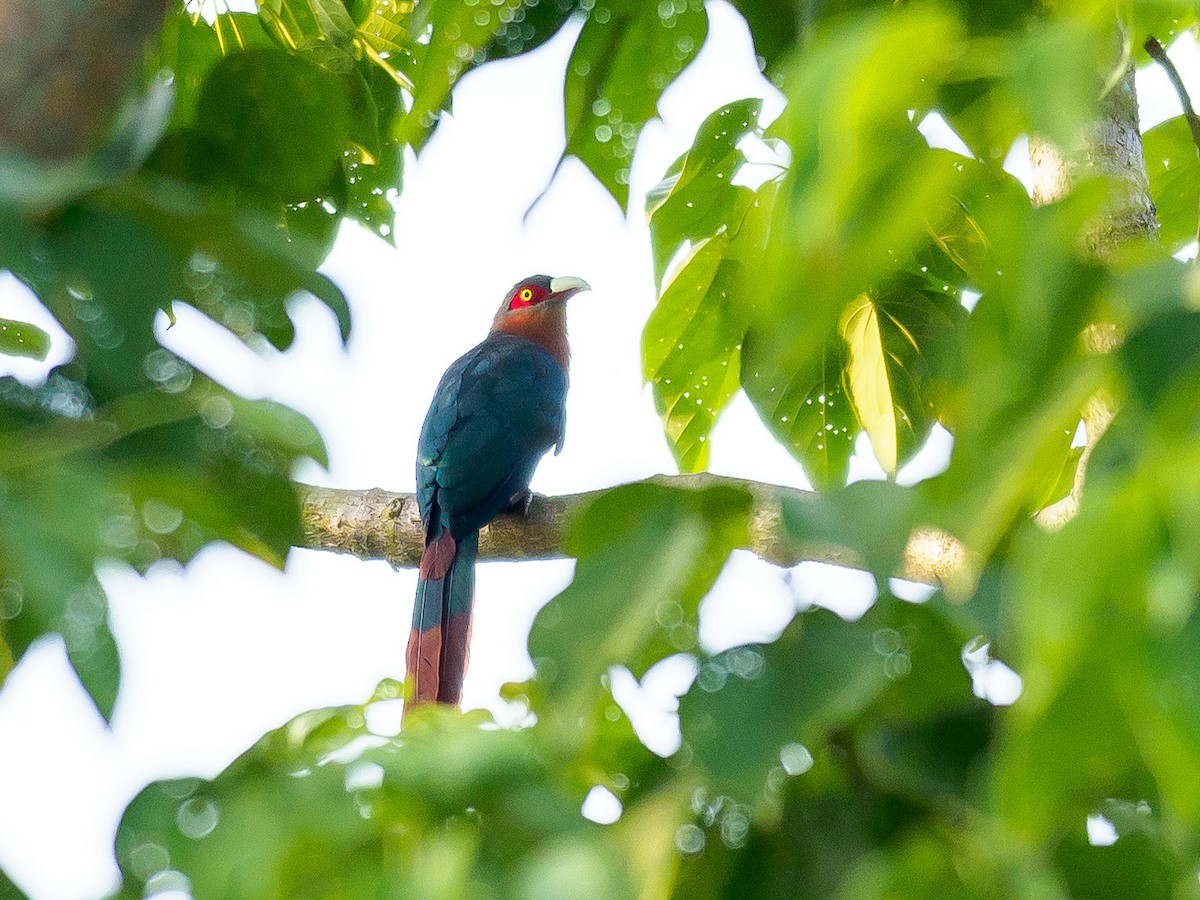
<point x="697" y="198"/>
<point x="384" y="38"/>
<point x="299" y="24"/>
<point x="890" y="376"/>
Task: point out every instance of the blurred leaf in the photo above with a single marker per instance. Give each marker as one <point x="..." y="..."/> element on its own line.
<point x="927" y="737"/>
<point x="531" y="26"/>
<point x="241" y="268"/>
<point x="1174" y="170"/>
<point x="223" y="475"/>
<point x="55" y="521"/>
<point x="8" y="890"/>
<point x="750" y="701"/>
<point x="1058" y="485"/>
<point x="922" y="864"/>
<point x="774" y="26"/>
<point x="1025" y="377"/>
<point x="23" y="339"/>
<point x="323" y="808"/>
<point x="871" y="519"/>
<point x="459" y="33"/>
<point x="831" y="817"/>
<point x="279" y="123"/>
<point x="1034" y="74"/>
<point x="189" y="48"/>
<point x="1162" y="19"/>
<point x="118" y="273"/>
<point x="626" y="56"/>
<point x="647" y="555"/>
<point x="1133" y="866"/>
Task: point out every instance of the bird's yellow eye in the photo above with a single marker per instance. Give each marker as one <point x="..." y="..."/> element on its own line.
<point x="526" y="294"/>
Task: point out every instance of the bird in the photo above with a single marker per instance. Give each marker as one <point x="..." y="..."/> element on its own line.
<point x="497" y="411"/>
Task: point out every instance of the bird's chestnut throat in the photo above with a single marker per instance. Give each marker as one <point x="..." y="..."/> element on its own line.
<point x="544" y="324"/>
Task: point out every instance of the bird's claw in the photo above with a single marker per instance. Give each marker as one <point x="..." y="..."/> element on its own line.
<point x="520" y="504"/>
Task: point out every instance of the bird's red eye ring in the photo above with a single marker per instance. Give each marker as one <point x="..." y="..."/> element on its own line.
<point x="526" y="294"/>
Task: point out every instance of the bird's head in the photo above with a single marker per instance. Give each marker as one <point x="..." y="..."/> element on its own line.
<point x="538" y="292"/>
<point x="534" y="309"/>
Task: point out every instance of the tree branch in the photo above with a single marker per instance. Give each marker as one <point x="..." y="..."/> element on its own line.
<point x="379" y="524"/>
<point x="1110" y="147"/>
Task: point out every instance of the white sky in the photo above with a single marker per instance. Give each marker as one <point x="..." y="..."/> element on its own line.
<point x="218" y="654"/>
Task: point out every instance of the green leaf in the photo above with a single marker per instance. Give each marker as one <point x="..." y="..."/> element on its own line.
<point x="299" y="24"/>
<point x="1174" y="169"/>
<point x="23" y="339"/>
<point x="891" y="338"/>
<point x="383" y="37"/>
<point x="690" y="350"/>
<point x="459" y="33"/>
<point x="626" y="56"/>
<point x="1164" y="20"/>
<point x="189" y="48"/>
<point x="8" y="890"/>
<point x="692" y="341"/>
<point x="531" y="26"/>
<point x="322" y="807"/>
<point x="279" y="123"/>
<point x="222" y="475"/>
<point x="371" y="187"/>
<point x="647" y="555"/>
<point x="806" y="408"/>
<point x="749" y="702"/>
<point x="240" y="266"/>
<point x="696" y="199"/>
<point x="55" y="521"/>
<point x="1041" y="80"/>
<point x="872" y="519"/>
<point x="1136" y="865"/>
<point x="775" y="27"/>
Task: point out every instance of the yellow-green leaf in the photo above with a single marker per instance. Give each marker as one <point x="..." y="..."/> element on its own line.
<point x="870" y="386"/>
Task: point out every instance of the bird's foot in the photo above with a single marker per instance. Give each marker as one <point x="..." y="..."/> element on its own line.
<point x="520" y="504"/>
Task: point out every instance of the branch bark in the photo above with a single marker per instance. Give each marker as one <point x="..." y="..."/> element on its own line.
<point x="1111" y="147"/>
<point x="379" y="524"/>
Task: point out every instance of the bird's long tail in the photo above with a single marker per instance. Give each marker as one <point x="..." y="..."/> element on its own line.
<point x="441" y="629"/>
